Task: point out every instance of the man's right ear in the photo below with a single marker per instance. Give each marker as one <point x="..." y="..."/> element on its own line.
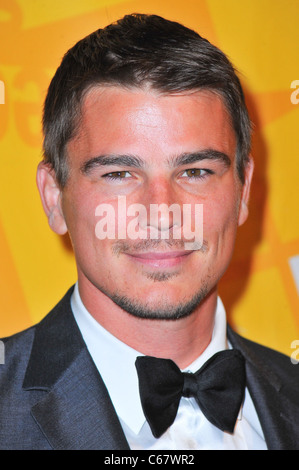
<point x="50" y="194"/>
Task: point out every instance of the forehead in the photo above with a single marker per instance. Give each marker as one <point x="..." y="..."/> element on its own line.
<point x="118" y="120"/>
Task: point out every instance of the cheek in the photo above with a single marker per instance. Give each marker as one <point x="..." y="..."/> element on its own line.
<point x="220" y="217"/>
<point x="80" y="216"/>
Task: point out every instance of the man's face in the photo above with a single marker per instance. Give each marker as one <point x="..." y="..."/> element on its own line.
<point x="153" y="149"/>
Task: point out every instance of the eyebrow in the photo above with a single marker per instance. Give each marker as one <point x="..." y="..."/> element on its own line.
<point x="206" y="154"/>
<point x="136" y="162"/>
<point x="111" y="160"/>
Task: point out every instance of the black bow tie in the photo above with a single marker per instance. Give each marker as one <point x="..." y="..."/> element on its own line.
<point x="218" y="387"/>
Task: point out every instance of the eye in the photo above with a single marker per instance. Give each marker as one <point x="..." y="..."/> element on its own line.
<point x="117" y="175"/>
<point x="196" y="173"/>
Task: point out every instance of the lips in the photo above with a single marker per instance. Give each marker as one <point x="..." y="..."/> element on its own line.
<point x="161" y="259"/>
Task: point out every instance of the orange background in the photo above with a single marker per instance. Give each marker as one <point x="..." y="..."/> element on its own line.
<point x="261" y="37"/>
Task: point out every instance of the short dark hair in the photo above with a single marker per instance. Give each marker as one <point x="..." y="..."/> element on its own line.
<point x="135" y="51"/>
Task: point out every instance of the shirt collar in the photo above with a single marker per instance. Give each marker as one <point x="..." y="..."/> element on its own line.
<point x="115" y="360"/>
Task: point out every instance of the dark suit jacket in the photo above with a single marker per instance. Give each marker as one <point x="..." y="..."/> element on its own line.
<point x="52" y="396"/>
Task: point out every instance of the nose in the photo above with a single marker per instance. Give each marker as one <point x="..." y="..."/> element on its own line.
<point x="163" y="211"/>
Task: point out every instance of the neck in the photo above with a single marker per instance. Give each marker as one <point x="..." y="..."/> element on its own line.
<point x="181" y="340"/>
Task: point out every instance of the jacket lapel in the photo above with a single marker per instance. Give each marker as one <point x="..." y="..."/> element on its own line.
<point x="276" y="409"/>
<point x="76" y="411"/>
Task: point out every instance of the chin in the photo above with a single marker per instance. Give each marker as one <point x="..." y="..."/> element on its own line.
<point x="161" y="307"/>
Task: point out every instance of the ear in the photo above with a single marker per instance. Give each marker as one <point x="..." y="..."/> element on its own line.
<point x="50" y="194"/>
<point x="243" y="211"/>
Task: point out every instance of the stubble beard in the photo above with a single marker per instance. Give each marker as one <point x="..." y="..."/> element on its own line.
<point x="165" y="310"/>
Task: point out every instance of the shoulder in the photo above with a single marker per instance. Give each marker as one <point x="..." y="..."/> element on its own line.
<point x="18" y="347"/>
<point x="13" y="404"/>
<point x="267" y="359"/>
<point x="16" y="352"/>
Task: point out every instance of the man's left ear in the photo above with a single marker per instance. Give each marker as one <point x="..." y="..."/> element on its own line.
<point x="243" y="211"/>
<point x="50" y="194"/>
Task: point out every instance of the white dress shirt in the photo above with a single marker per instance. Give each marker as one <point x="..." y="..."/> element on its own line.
<point x="115" y="362"/>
